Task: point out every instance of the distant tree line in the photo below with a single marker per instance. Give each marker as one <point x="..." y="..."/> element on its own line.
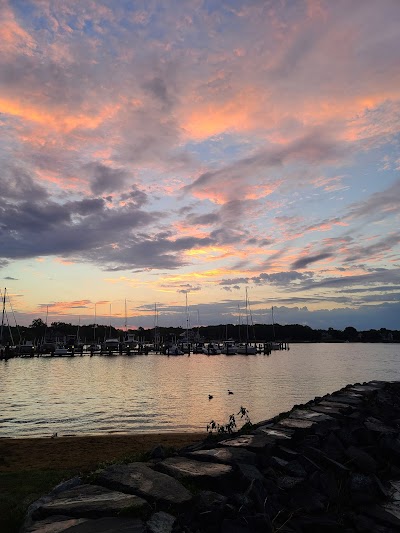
<point x="38" y="331"/>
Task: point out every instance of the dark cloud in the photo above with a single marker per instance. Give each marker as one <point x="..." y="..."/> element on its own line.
<point x="279" y="278"/>
<point x="10" y="278"/>
<point x="135" y="195"/>
<point x="17" y="184"/>
<point x="303" y="262"/>
<point x="32" y="229"/>
<point x="203" y="220"/>
<point x="105" y="179"/>
<point x="365" y="280"/>
<point x="158" y="88"/>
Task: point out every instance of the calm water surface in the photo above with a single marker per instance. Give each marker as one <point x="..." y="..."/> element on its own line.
<point x="155" y="393"/>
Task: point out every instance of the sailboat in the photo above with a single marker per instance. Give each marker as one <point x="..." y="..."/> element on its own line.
<point x="245" y="348"/>
<point x="274" y="344"/>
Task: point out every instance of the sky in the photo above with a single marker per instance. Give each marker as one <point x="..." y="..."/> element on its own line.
<point x="158" y="153"/>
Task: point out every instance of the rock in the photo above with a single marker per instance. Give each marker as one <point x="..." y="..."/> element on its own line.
<point x="137" y="478"/>
<point x="158" y="453"/>
<point x="308" y="499"/>
<point x="235" y="526"/>
<point x="54" y="524"/>
<point x="227" y="455"/>
<point x="333" y="447"/>
<point x="362" y="460"/>
<point x="377" y="426"/>
<point x="197" y="472"/>
<point x="294" y="423"/>
<point x="325" y="409"/>
<point x="305" y="414"/>
<point x="382" y="515"/>
<point x="109" y="525"/>
<point x="288" y="482"/>
<point x="257" y="493"/>
<point x="317" y="454"/>
<point x="295" y="469"/>
<point x="276" y="432"/>
<point x="362" y="488"/>
<point x="248" y="473"/>
<point x="91" y="501"/>
<point x="208" y="509"/>
<point x="254" y="442"/>
<point x="160" y="523"/>
<point x="345" y="399"/>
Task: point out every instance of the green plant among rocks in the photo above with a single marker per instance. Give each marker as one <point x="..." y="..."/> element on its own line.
<point x="230" y="426"/>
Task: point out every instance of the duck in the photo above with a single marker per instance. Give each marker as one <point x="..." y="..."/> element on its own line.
<point x="210" y="397"/>
<point x="230" y="392"/>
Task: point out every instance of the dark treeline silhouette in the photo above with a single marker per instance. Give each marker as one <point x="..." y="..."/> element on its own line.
<point x="38" y="331"/>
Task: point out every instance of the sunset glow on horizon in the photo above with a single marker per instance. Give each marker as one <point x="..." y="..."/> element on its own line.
<point x="151" y="150"/>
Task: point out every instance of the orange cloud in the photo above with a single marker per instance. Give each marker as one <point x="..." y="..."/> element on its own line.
<point x="13" y="37"/>
<point x="211" y="118"/>
<point x="55" y="119"/>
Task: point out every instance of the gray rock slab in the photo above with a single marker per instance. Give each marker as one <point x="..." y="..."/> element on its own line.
<point x="139" y="479"/>
<point x="346" y="399"/>
<point x="91" y="501"/>
<point x="306" y="414"/>
<point x="226" y="455"/>
<point x="54" y="524"/>
<point x="364" y="388"/>
<point x="278" y="433"/>
<point x="395" y="491"/>
<point x="110" y="525"/>
<point x="195" y="471"/>
<point x="375" y="425"/>
<point x="254" y="442"/>
<point x="327" y="410"/>
<point x="161" y="523"/>
<point x="388" y="517"/>
<point x="393" y="508"/>
<point x="295" y="423"/>
<point x="335" y="405"/>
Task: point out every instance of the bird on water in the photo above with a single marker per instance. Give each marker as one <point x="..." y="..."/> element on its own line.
<point x="210" y="397"/>
<point x="230" y="392"/>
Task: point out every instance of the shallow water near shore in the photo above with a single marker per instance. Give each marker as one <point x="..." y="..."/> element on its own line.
<point x="157" y="394"/>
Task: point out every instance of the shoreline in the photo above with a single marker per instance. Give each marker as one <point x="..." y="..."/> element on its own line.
<point x="83" y="451"/>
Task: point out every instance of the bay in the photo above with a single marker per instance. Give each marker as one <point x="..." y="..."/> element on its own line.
<point x="155" y="393"/>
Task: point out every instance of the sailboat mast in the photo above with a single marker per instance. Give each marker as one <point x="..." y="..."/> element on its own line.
<point x="126" y="319"/>
<point x="240" y="324"/>
<point x="94" y="325"/>
<point x="77" y="333"/>
<point x="273" y="324"/>
<point x="247" y="317"/>
<point x="2" y="317"/>
<point x="187" y="320"/>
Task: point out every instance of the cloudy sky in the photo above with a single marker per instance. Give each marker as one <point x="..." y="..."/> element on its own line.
<point x="153" y="149"/>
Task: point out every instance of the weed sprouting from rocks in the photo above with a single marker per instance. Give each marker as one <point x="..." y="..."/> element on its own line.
<point x="230" y="426"/>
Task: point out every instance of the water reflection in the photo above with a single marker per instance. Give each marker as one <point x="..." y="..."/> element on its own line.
<point x="156" y="393"/>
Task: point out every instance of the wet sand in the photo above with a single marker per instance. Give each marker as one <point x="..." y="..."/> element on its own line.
<point x="83" y="452"/>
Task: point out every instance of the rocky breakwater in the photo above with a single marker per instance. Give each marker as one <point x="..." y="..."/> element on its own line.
<point x="331" y="465"/>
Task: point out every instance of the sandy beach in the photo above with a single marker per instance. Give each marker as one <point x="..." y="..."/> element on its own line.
<point x="83" y="452"/>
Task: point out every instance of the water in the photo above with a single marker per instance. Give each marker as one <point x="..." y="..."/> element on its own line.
<point x="155" y="393"/>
